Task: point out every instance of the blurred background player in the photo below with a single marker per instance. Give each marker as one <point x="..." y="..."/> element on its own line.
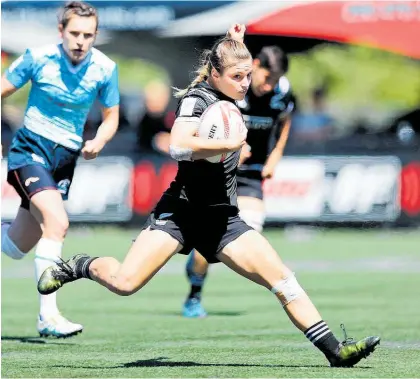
<point x="267" y="111"/>
<point x="66" y="79"/>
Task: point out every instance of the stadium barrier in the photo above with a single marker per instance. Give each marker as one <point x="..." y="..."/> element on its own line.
<point x="319" y="188"/>
<point x="100" y="192"/>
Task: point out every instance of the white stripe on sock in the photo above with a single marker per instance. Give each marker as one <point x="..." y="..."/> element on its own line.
<point x="314" y="328"/>
<point x="313" y="335"/>
<point x="321" y="335"/>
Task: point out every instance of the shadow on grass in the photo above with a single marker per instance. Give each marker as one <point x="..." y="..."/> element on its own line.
<point x="37" y="340"/>
<point x="162" y="362"/>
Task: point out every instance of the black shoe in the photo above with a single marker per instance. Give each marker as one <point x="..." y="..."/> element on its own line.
<point x="351" y="352"/>
<point x="54" y="277"/>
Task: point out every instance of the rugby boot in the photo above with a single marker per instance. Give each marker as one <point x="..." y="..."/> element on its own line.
<point x="55" y="276"/>
<point x="193" y="309"/>
<point x="57" y="326"/>
<point x="350" y="352"/>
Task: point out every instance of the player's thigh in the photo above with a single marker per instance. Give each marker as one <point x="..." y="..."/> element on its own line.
<point x="163" y="235"/>
<point x="47" y="206"/>
<point x="25" y="231"/>
<point x="37" y="189"/>
<point x="253" y="257"/>
<point x="147" y="255"/>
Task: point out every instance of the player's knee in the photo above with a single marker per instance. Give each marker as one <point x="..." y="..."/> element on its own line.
<point x="287" y="289"/>
<point x="125" y="290"/>
<point x="255" y="219"/>
<point x="56" y="227"/>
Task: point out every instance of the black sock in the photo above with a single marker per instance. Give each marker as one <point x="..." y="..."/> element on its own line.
<point x="195" y="292"/>
<point x="322" y="337"/>
<point x="82" y="267"/>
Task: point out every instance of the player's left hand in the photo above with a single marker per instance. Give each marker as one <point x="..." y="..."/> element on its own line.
<point x="245" y="154"/>
<point x="92" y="148"/>
<point x="267" y="172"/>
<point x="237" y="32"/>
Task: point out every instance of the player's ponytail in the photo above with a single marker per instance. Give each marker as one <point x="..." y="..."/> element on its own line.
<point x="202" y="72"/>
<point x="225" y="53"/>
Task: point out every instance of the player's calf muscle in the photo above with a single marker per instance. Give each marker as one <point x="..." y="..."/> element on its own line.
<point x="110" y="273"/>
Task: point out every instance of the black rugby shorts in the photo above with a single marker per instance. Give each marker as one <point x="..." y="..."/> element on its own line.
<point x="207" y="230"/>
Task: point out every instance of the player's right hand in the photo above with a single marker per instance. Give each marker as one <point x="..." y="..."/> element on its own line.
<point x="92" y="148"/>
<point x="236" y="143"/>
<point x="237" y="32"/>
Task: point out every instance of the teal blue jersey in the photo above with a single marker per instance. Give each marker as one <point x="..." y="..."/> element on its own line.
<point x="62" y="94"/>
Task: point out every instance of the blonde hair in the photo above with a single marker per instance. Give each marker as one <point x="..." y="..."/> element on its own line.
<point x="225" y="53"/>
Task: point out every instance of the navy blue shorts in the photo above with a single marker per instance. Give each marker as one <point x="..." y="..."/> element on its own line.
<point x="207" y="230"/>
<point x="35" y="164"/>
<point x="249" y="184"/>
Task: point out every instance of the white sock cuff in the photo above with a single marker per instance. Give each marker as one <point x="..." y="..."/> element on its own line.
<point x="8" y="247"/>
<point x="48" y="249"/>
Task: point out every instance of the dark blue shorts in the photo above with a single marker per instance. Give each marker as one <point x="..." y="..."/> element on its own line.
<point x="249" y="184"/>
<point x="36" y="164"/>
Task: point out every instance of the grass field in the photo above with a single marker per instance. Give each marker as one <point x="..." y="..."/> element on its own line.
<point x="368" y="280"/>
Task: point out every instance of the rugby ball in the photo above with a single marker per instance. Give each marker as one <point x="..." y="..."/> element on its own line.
<point x="221" y="120"/>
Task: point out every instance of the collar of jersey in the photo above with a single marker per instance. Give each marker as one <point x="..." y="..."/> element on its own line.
<point x="74" y="69"/>
<point x="220" y="95"/>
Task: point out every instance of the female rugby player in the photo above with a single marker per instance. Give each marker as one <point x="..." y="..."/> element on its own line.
<point x="266" y="109"/>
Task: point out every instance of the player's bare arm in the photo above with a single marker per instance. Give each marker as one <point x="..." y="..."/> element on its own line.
<point x="183" y="136"/>
<point x="105" y="133"/>
<point x="7" y="88"/>
<point x="277" y="153"/>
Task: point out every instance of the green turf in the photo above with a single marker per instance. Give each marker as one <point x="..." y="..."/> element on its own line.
<point x="369" y="280"/>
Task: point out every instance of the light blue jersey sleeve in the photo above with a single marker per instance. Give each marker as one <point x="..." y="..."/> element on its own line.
<point x="21" y="70"/>
<point x="109" y="94"/>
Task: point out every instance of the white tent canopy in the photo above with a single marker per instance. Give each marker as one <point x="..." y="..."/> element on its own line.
<point x="216" y="21"/>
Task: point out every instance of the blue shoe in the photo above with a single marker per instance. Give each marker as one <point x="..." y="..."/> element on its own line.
<point x="193" y="309"/>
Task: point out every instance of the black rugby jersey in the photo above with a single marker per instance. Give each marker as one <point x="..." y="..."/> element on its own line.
<point x="261" y="116"/>
<point x="201" y="182"/>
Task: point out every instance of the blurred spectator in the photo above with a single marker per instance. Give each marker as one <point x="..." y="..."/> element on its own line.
<point x="315" y="124"/>
<point x="154" y="128"/>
